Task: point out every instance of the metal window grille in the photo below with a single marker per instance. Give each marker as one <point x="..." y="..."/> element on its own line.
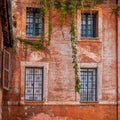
<point x="88" y="90"/>
<point x="33" y="84"/>
<point x="88" y="25"/>
<point x="34" y="23"/>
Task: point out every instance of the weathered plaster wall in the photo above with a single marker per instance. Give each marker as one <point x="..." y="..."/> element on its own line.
<point x="109" y="56"/>
<point x="61" y="112"/>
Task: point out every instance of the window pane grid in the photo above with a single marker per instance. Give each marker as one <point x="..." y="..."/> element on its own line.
<point x="88" y="25"/>
<point x="33" y="84"/>
<point x="34" y="22"/>
<point x="88" y="91"/>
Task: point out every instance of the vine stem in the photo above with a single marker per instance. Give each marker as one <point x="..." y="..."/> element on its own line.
<point x="73" y="6"/>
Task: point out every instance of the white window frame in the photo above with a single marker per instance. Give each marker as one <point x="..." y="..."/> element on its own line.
<point x="78" y="22"/>
<point x="99" y="79"/>
<point x="45" y="65"/>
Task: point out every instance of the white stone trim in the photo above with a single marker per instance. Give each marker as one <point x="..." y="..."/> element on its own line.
<point x="45" y="65"/>
<point x="100" y="30"/>
<point x="99" y="78"/>
<point x="79" y="103"/>
<point x="107" y="102"/>
<point x="88" y="65"/>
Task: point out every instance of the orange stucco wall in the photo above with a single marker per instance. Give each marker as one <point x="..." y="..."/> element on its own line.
<point x="61" y="112"/>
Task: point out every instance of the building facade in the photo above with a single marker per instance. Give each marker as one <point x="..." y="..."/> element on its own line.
<point x="6" y="43"/>
<point x="42" y="86"/>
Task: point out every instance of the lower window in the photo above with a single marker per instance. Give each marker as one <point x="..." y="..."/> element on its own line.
<point x="88" y="90"/>
<point x="33" y="84"/>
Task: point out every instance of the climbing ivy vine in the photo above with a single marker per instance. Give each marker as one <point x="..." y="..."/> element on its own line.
<point x="64" y="6"/>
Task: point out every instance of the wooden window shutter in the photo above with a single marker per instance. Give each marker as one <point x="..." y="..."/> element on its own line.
<point x="6" y="69"/>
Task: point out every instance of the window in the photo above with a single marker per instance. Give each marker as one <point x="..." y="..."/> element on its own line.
<point x="6" y="69"/>
<point x="34" y="25"/>
<point x="88" y="25"/>
<point x="88" y="90"/>
<point x="33" y="84"/>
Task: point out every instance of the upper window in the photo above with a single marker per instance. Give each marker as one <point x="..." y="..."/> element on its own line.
<point x="88" y="25"/>
<point x="88" y="90"/>
<point x="33" y="84"/>
<point x="34" y="25"/>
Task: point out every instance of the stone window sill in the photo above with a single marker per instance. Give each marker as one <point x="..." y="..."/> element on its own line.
<point x="96" y="39"/>
<point x="31" y="102"/>
<point x="33" y="37"/>
<point x="90" y="38"/>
